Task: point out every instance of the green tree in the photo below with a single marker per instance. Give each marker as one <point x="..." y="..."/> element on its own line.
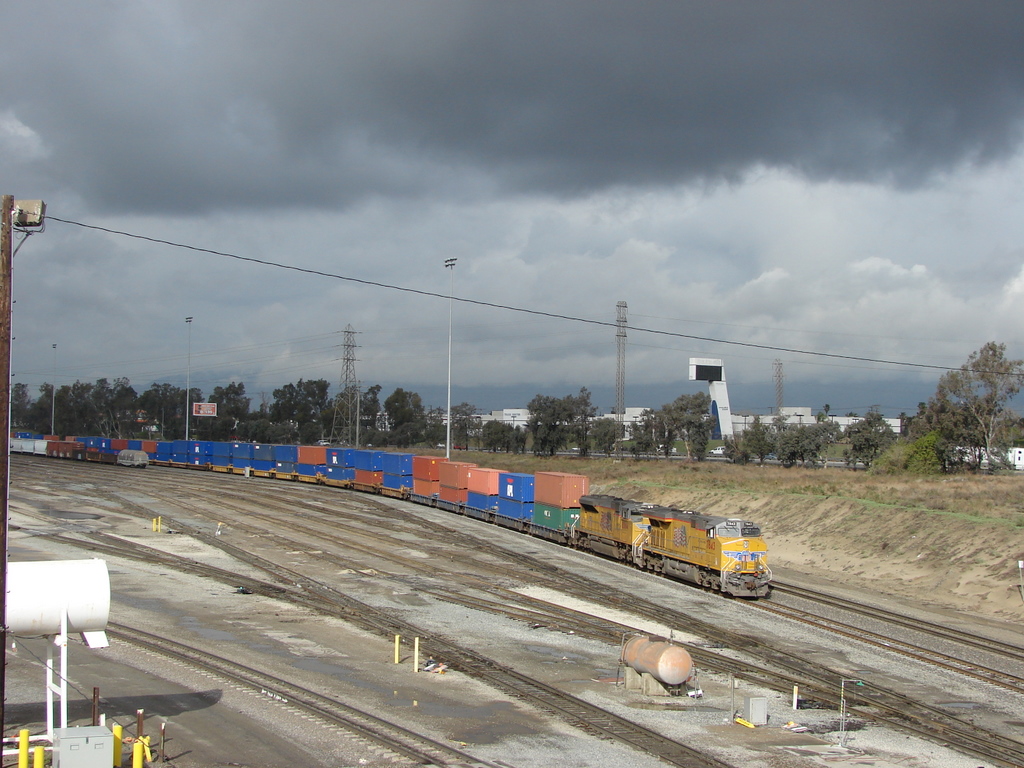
<point x="549" y="424"/>
<point x="758" y="440"/>
<point x="604" y="435"/>
<point x="21" y="402"/>
<point x="406" y="418"/>
<point x="465" y="424"/>
<point x="690" y="418"/>
<point x="163" y="406"/>
<point x="981" y="391"/>
<point x="868" y="438"/>
<point x="299" y="410"/>
<point x="643" y="434"/>
<point x="582" y="413"/>
<point x="232" y="411"/>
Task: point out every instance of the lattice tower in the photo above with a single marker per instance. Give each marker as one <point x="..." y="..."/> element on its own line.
<point x="779" y="378"/>
<point x="620" y="375"/>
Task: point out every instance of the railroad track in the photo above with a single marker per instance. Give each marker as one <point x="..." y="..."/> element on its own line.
<point x="373" y="730"/>
<point x="879" y="704"/>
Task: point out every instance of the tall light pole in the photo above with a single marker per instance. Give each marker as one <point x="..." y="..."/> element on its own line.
<point x="188" y="376"/>
<point x="53" y="402"/>
<point x="449" y="264"/>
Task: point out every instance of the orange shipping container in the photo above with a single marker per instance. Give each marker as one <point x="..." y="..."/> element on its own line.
<point x="366" y="477"/>
<point x="482" y="480"/>
<point x="426" y="467"/>
<point x="454" y="495"/>
<point x="149" y="446"/>
<point x="117" y="444"/>
<point x="425" y="487"/>
<point x="453" y="473"/>
<point x="560" y="489"/>
<point x="312" y="454"/>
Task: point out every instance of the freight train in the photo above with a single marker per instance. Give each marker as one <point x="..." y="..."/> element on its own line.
<point x="726" y="555"/>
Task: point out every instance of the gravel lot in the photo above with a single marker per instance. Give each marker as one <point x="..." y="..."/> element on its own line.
<point x="212" y="724"/>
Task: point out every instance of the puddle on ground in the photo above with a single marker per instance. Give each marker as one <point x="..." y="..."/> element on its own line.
<point x="553" y="653"/>
<point x="192" y="623"/>
<point x="65" y="515"/>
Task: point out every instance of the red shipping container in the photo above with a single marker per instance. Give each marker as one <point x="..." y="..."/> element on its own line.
<point x="482" y="480"/>
<point x="366" y="477"/>
<point x="560" y="489"/>
<point x="149" y="446"/>
<point x="312" y="454"/>
<point x="453" y="473"/>
<point x="454" y="495"/>
<point x="426" y="467"/>
<point x="51" y="438"/>
<point x="117" y="444"/>
<point x="425" y="487"/>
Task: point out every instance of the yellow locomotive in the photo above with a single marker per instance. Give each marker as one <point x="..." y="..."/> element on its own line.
<point x="724" y="554"/>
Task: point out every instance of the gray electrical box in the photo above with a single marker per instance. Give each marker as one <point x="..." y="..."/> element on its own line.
<point x="755" y="710"/>
<point x="90" y="746"/>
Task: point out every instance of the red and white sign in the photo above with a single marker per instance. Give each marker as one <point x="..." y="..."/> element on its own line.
<point x="204" y="409"/>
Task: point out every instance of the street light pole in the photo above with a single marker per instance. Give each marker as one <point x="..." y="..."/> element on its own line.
<point x="53" y="403"/>
<point x="449" y="264"/>
<point x="188" y="376"/>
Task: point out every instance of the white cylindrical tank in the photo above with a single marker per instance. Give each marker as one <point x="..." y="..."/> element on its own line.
<point x="38" y="592"/>
<point x="667" y="663"/>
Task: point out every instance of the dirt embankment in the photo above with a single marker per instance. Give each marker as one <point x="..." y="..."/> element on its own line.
<point x="954" y="541"/>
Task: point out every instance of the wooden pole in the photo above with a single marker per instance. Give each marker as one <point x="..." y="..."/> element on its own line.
<point x="7" y="206"/>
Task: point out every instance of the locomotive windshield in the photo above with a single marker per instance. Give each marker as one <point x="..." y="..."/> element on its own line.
<point x="737" y="528"/>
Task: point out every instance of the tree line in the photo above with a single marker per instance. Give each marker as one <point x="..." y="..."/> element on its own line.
<point x="966" y="425"/>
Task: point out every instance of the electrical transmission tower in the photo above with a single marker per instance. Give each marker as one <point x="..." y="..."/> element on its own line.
<point x="348" y="397"/>
<point x="620" y="376"/>
<point x="779" y="378"/>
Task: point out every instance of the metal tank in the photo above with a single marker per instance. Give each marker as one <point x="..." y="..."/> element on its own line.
<point x="666" y="662"/>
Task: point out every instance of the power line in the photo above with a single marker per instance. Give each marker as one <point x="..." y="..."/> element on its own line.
<point x="506" y="307"/>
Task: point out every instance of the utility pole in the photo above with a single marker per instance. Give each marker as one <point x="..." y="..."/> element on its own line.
<point x="779" y="378"/>
<point x="620" y="377"/>
<point x="30" y="213"/>
<point x="7" y="204"/>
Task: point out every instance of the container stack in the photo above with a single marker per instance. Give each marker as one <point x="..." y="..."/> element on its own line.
<point x="557" y="499"/>
<point x="397" y="468"/>
<point x="263" y="458"/>
<point x="220" y="455"/>
<point x="482" y="487"/>
<point x="312" y="461"/>
<point x="286" y="457"/>
<point x="515" y="495"/>
<point x="369" y="467"/>
<point x="339" y="467"/>
<point x="179" y="451"/>
<point x="165" y="450"/>
<point x="426" y="477"/>
<point x="241" y="456"/>
<point x="454" y="481"/>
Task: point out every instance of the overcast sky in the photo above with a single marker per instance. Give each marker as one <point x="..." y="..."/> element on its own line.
<point x="758" y="181"/>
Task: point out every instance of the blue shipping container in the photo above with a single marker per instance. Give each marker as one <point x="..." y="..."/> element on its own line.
<point x="262" y="465"/>
<point x="517" y="510"/>
<point x="397" y="463"/>
<point x="263" y="453"/>
<point x="286" y="453"/>
<point x="241" y="451"/>
<point x="310" y="470"/>
<point x="397" y="481"/>
<point x="516" y="486"/>
<point x="481" y="501"/>
<point x="220" y="449"/>
<point x="134" y="445"/>
<point x="340" y="473"/>
<point x="369" y="461"/>
<point x="220" y="461"/>
<point x="285" y="467"/>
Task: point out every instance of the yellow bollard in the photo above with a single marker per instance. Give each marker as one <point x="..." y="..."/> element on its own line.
<point x="23" y="748"/>
<point x="416" y="654"/>
<point x="118" y="732"/>
<point x="398" y="649"/>
<point x="39" y="756"/>
<point x="138" y="758"/>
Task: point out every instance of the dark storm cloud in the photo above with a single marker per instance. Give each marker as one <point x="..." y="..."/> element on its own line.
<point x="188" y="105"/>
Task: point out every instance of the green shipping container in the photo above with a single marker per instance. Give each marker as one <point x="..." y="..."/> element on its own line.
<point x="556" y="518"/>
